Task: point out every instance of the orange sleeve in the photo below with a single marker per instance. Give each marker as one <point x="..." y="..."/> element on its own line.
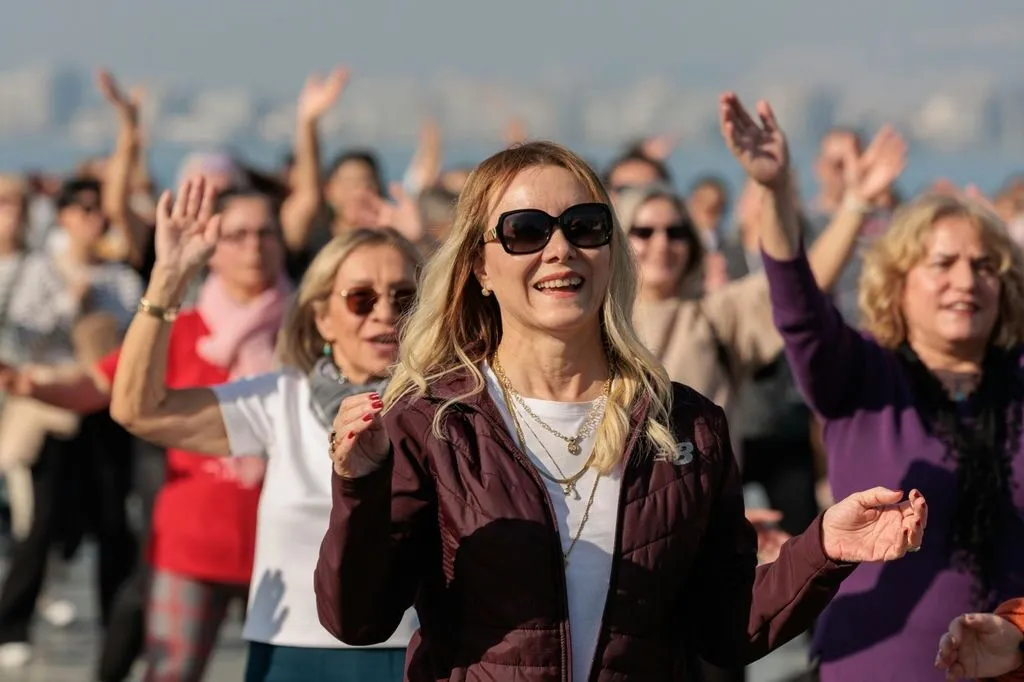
<point x="1013" y="611"/>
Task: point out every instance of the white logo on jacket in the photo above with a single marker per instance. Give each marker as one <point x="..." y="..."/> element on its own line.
<point x="682" y="455"/>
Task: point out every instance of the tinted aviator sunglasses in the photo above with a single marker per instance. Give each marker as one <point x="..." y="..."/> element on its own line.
<point x="362" y="300"/>
<point x="528" y="230"/>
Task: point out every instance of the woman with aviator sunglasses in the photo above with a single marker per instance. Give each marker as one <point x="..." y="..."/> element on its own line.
<point x="555" y="507"/>
<point x="339" y="338"/>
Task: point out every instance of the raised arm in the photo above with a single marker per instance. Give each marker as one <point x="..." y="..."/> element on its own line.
<point x="300" y="209"/>
<point x="117" y="181"/>
<point x="381" y="523"/>
<point x="833" y="364"/>
<point x="746" y="612"/>
<point x="190" y="419"/>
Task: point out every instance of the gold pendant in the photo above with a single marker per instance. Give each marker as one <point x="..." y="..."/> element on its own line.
<point x="569" y="489"/>
<point x="574" y="447"/>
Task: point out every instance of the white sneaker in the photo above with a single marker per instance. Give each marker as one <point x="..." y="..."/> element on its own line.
<point x="15" y="655"/>
<point x="60" y="613"/>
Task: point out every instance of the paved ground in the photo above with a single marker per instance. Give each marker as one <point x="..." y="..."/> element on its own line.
<point x="67" y="655"/>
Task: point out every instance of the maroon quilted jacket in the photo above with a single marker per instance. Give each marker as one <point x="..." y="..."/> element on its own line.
<point x="463" y="528"/>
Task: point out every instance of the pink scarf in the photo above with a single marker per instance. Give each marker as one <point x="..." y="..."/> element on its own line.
<point x="242" y="336"/>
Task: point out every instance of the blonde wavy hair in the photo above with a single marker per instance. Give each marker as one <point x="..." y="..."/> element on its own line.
<point x="903" y="246"/>
<point x="454" y="328"/>
<point x="299" y="343"/>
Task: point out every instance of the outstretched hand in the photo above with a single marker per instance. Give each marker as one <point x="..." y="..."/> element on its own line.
<point x="870" y="174"/>
<point x="320" y="94"/>
<point x="979" y="645"/>
<point x="186" y="229"/>
<point x="874" y="525"/>
<point x="125" y="104"/>
<point x="760" y="148"/>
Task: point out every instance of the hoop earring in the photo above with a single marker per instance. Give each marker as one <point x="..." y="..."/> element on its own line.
<point x="485" y="291"/>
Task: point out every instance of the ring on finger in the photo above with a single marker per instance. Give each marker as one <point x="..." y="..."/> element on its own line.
<point x="332" y="442"/>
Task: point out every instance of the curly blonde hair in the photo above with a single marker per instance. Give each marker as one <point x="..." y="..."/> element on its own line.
<point x="454" y="328"/>
<point x="891" y="257"/>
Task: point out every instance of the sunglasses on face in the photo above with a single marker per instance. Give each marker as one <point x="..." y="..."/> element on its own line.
<point x="528" y="230"/>
<point x="362" y="300"/>
<point x="674" y="233"/>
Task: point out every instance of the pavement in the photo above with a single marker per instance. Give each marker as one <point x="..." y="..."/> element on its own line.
<point x="69" y="654"/>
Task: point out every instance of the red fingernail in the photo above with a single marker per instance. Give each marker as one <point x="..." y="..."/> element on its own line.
<point x="377" y="405"/>
<point x="368" y="417"/>
<point x="375" y="396"/>
<point x="351" y="435"/>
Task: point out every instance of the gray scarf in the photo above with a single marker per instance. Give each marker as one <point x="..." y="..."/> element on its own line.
<point x="328" y="387"/>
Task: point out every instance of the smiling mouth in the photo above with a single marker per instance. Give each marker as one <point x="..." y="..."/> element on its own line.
<point x="384" y="339"/>
<point x="571" y="283"/>
<point x="963" y="307"/>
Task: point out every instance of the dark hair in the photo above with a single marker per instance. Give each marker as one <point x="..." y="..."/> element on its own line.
<point x="636" y="155"/>
<point x="72" y="188"/>
<point x="363" y="156"/>
<point x="225" y="198"/>
<point x="713" y="181"/>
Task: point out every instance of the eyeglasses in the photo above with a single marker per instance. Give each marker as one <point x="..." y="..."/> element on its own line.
<point x="239" y="236"/>
<point x="679" y="232"/>
<point x="362" y="300"/>
<point x="528" y="230"/>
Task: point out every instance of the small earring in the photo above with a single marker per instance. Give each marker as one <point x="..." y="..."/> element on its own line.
<point x="485" y="291"/>
<point x="328" y="351"/>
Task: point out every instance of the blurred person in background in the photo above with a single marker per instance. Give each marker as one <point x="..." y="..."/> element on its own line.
<point x="708" y="203"/>
<point x="339" y="339"/>
<point x="203" y="527"/>
<point x="932" y="397"/>
<point x="59" y="309"/>
<point x="634" y="168"/>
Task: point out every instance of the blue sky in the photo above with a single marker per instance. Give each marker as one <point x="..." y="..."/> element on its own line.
<point x="270" y="44"/>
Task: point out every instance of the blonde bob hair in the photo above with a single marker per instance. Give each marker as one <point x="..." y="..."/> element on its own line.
<point x="454" y="328"/>
<point x="299" y="344"/>
<point x="905" y="244"/>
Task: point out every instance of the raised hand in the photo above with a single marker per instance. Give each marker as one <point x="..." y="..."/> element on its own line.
<point x="979" y="645"/>
<point x="874" y="171"/>
<point x="125" y="104"/>
<point x="760" y="148"/>
<point x="402" y="215"/>
<point x="319" y="94"/>
<point x="187" y="230"/>
<point x="874" y="525"/>
<point x="358" y="442"/>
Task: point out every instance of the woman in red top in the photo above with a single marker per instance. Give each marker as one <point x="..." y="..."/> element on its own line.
<point x="204" y="521"/>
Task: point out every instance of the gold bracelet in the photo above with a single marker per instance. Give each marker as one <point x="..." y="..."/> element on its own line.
<point x="167" y="314"/>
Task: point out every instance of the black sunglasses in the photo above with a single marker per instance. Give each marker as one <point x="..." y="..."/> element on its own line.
<point x="679" y="232"/>
<point x="362" y="300"/>
<point x="528" y="230"/>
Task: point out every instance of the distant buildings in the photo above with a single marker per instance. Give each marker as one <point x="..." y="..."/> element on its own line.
<point x="62" y="103"/>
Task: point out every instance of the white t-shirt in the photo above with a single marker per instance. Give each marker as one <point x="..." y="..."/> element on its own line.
<point x="590" y="562"/>
<point x="271" y="413"/>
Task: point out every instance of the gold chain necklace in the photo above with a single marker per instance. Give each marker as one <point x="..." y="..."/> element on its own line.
<point x="589" y="423"/>
<point x="593" y="489"/>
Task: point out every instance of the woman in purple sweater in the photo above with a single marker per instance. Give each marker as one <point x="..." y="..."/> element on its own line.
<point x="930" y="398"/>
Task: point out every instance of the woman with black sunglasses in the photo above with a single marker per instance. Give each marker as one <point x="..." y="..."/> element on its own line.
<point x="552" y="504"/>
<point x="339" y="338"/>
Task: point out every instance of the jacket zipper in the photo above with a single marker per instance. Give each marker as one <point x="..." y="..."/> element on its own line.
<point x="613" y="576"/>
<point x="524" y="461"/>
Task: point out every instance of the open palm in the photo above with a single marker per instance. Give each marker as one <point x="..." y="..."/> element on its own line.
<point x="760" y="148"/>
<point x="874" y="525"/>
<point x="319" y="94"/>
<point x="187" y="231"/>
<point x="878" y="167"/>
